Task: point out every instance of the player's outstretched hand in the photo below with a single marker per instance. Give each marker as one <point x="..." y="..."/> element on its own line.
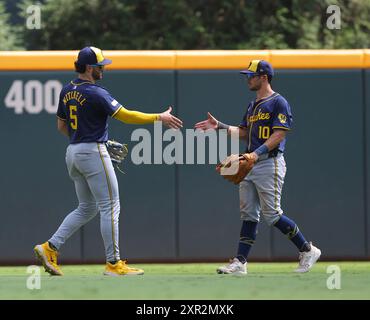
<point x="210" y="123"/>
<point x="169" y="120"/>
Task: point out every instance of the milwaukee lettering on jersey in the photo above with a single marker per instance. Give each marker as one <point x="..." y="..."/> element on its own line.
<point x="259" y="116"/>
<point x="263" y="117"/>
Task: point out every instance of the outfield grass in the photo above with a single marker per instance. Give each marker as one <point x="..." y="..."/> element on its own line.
<point x="191" y="281"/>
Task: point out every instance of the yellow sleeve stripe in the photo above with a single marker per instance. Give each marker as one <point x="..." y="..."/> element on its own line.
<point x="135" y="117"/>
<point x="61" y="119"/>
<point x="284" y="128"/>
<point x="115" y="112"/>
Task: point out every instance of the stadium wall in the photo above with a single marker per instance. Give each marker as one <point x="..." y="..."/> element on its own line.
<point x="185" y="212"/>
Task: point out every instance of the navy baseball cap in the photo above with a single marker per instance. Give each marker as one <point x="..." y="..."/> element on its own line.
<point x="259" y="67"/>
<point x="92" y="56"/>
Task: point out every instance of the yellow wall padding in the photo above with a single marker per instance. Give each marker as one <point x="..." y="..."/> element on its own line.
<point x="191" y="59"/>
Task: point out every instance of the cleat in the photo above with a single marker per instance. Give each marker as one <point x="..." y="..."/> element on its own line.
<point x="48" y="257"/>
<point x="235" y="267"/>
<point x="120" y="268"/>
<point x="308" y="259"/>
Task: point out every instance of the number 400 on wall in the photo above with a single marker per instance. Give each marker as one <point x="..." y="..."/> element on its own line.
<point x="33" y="96"/>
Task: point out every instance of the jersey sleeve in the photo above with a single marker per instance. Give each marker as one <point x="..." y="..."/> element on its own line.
<point x="107" y="102"/>
<point x="282" y="115"/>
<point x="61" y="112"/>
<point x="135" y="117"/>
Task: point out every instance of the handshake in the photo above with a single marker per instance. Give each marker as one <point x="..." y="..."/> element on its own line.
<point x="234" y="168"/>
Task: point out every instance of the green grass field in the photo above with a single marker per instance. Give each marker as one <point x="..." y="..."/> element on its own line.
<point x="191" y="282"/>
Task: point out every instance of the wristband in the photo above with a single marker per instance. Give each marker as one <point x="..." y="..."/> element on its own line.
<point x="262" y="149"/>
<point x="221" y="125"/>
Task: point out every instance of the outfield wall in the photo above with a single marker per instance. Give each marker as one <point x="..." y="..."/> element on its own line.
<point x="187" y="212"/>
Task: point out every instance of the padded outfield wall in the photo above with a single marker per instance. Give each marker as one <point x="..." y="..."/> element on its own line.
<point x="185" y="211"/>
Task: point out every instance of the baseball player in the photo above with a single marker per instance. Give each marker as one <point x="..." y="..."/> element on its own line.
<point x="82" y="115"/>
<point x="264" y="126"/>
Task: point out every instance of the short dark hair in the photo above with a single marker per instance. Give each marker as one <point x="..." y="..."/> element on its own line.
<point x="80" y="68"/>
<point x="269" y="77"/>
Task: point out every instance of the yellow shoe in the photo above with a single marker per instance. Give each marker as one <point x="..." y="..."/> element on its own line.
<point x="48" y="258"/>
<point x="120" y="268"/>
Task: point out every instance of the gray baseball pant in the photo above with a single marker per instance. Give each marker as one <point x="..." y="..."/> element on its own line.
<point x="260" y="191"/>
<point x="91" y="169"/>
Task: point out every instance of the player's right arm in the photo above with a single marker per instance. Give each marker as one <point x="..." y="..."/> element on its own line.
<point x="119" y="112"/>
<point x="62" y="127"/>
<point x="234" y="131"/>
<point x="62" y="123"/>
<point x="137" y="117"/>
<point x="213" y="123"/>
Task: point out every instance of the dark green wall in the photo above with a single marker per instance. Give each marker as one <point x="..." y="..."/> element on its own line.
<point x="366" y="147"/>
<point x="187" y="211"/>
<point x="324" y="189"/>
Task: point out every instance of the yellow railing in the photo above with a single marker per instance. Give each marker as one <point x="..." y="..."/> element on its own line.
<point x="192" y="59"/>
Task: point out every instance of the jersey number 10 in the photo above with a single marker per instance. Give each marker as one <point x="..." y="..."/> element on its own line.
<point x="263" y="132"/>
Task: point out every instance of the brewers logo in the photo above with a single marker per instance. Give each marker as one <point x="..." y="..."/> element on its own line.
<point x="282" y="118"/>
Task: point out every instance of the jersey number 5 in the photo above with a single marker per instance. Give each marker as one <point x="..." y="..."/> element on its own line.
<point x="263" y="132"/>
<point x="73" y="116"/>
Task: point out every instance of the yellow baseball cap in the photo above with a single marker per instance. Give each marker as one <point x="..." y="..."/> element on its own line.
<point x="92" y="56"/>
<point x="259" y="67"/>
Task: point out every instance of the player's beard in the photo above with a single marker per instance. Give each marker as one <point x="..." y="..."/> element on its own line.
<point x="97" y="74"/>
<point x="255" y="87"/>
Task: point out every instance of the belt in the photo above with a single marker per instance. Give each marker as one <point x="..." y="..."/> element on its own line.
<point x="271" y="154"/>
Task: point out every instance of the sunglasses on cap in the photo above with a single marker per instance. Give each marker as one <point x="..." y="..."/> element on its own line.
<point x="97" y="65"/>
<point x="252" y="75"/>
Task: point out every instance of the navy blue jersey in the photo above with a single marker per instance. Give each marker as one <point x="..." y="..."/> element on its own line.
<point x="85" y="107"/>
<point x="262" y="117"/>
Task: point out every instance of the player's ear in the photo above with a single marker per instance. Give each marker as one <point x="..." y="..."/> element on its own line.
<point x="89" y="68"/>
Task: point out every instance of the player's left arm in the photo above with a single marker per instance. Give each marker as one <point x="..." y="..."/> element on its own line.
<point x="274" y="140"/>
<point x="271" y="143"/>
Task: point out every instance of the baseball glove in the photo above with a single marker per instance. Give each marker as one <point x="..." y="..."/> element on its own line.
<point x="236" y="167"/>
<point x="117" y="152"/>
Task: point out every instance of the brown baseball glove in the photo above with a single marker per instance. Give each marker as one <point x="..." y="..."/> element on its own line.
<point x="236" y="167"/>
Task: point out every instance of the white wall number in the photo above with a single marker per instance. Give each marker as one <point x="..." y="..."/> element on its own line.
<point x="33" y="96"/>
<point x="14" y="97"/>
<point x="52" y="89"/>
